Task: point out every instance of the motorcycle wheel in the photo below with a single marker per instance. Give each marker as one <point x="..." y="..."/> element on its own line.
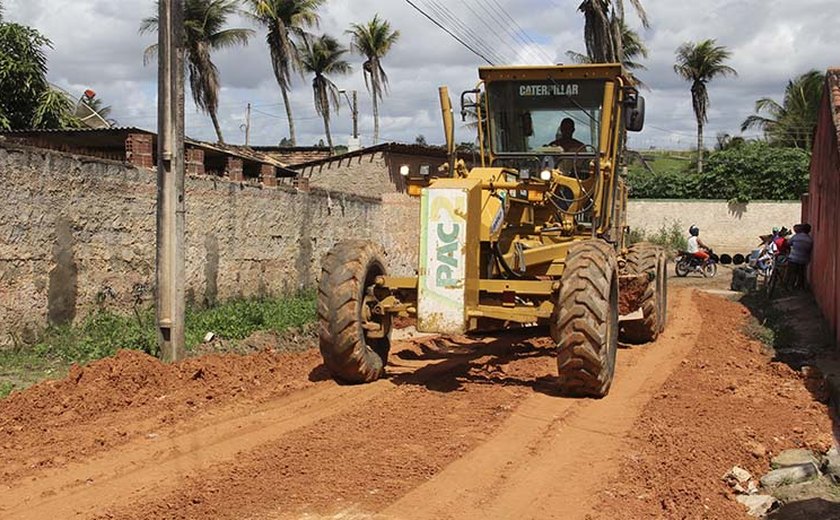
<point x="710" y="270"/>
<point x="682" y="268"/>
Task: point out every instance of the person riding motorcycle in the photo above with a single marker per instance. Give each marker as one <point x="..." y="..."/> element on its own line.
<point x="696" y="247"/>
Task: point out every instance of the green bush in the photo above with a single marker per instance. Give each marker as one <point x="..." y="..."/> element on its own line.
<point x="670" y="236"/>
<point x="752" y="171"/>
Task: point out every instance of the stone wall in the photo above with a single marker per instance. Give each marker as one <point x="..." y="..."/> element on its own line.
<point x="75" y="231"/>
<point x="727" y="228"/>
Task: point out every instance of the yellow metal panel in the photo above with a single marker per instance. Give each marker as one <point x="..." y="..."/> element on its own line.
<point x="595" y="71"/>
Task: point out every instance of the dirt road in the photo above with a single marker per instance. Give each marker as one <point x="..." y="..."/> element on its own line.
<point x="460" y="429"/>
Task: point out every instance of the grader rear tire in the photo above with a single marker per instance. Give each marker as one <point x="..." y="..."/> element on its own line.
<point x="344" y="306"/>
<point x="645" y="258"/>
<point x="585" y="324"/>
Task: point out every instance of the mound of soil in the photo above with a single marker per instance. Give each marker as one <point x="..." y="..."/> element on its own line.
<point x="131" y="394"/>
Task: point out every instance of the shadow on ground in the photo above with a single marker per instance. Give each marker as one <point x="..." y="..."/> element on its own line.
<point x="479" y="360"/>
<point x="811" y="509"/>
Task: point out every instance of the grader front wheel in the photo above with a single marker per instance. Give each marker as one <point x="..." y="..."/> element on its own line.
<point x="354" y="342"/>
<point x="585" y="324"/>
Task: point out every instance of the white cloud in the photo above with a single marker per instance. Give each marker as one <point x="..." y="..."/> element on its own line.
<point x="96" y="45"/>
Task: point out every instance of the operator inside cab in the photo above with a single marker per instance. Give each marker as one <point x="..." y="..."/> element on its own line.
<point x="564" y="137"/>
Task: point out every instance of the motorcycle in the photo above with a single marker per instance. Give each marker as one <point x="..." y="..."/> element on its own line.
<point x="686" y="263"/>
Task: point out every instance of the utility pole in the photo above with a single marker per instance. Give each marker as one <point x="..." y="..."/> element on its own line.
<point x="170" y="182"/>
<point x="354" y="143"/>
<point x="355" y="115"/>
<point x="248" y="125"/>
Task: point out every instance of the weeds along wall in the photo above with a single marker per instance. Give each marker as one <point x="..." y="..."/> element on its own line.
<point x="725" y="227"/>
<point x="77" y="232"/>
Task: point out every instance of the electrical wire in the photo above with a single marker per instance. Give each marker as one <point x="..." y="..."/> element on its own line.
<point x="467" y="31"/>
<point x="450" y="33"/>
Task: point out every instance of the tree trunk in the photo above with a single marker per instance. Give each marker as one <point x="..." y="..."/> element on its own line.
<point x="327" y="130"/>
<point x="289" y="116"/>
<point x="216" y="126"/>
<point x="375" y="121"/>
<point x="699" y="147"/>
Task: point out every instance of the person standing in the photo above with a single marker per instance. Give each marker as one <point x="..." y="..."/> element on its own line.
<point x="801" y="245"/>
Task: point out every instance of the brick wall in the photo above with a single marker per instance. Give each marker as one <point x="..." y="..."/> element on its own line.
<point x="75" y="230"/>
<point x="823" y="206"/>
<point x="371" y="174"/>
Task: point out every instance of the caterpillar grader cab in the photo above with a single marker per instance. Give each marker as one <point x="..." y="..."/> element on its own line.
<point x="533" y="236"/>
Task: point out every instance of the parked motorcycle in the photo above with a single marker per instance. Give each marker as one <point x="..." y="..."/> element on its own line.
<point x="687" y="263"/>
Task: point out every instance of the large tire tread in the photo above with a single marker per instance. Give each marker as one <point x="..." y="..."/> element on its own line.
<point x="585" y="323"/>
<point x="345" y="269"/>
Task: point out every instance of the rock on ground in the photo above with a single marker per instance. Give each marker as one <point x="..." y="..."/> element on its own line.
<point x="757" y="505"/>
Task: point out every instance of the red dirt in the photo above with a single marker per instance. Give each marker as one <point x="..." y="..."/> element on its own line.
<point x="461" y="428"/>
<point x="106" y="403"/>
<point x="726" y="405"/>
<point x="630" y="293"/>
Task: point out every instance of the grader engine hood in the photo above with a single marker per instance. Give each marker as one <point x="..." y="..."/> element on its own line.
<point x="448" y="274"/>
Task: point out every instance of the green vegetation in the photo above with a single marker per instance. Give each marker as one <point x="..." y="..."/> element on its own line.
<point x="104" y="332"/>
<point x="699" y="63"/>
<point x="671" y="236"/>
<point x="205" y="27"/>
<point x="373" y="40"/>
<point x="27" y="100"/>
<point x="324" y="57"/>
<point x="794" y="122"/>
<point x="751" y="171"/>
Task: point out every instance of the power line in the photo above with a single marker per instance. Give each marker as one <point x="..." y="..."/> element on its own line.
<point x="450" y="33"/>
<point x="466" y="30"/>
<point x="515" y="30"/>
<point x="492" y="30"/>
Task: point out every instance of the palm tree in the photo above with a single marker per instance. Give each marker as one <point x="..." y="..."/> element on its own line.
<point x="794" y="122"/>
<point x="373" y="40"/>
<point x="634" y="49"/>
<point x="204" y="27"/>
<point x="604" y="28"/>
<point x="285" y="20"/>
<point x="700" y="63"/>
<point x="322" y="56"/>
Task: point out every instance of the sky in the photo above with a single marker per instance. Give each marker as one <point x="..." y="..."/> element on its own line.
<point x="96" y="45"/>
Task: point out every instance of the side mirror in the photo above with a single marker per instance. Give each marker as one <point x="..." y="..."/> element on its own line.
<point x="634" y="114"/>
<point x="527" y="124"/>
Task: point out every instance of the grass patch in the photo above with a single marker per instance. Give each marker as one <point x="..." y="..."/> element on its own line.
<point x="670" y="236"/>
<point x="104" y="332"/>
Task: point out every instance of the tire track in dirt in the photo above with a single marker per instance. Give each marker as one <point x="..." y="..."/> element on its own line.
<point x="142" y="465"/>
<point x="154" y="465"/>
<point x="471" y="427"/>
<point x="548" y="459"/>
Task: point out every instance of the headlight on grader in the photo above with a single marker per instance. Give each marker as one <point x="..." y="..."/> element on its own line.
<point x="545" y="175"/>
<point x="404" y="170"/>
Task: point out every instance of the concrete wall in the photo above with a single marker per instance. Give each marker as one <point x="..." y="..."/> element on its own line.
<point x="74" y="231"/>
<point x="727" y="228"/>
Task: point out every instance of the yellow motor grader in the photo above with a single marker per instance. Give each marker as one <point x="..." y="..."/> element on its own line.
<point x="534" y="235"/>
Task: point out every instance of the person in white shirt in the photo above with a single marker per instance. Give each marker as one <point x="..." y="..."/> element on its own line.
<point x="696" y="247"/>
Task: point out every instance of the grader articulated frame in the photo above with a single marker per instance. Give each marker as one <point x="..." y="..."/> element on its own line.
<point x="533" y="235"/>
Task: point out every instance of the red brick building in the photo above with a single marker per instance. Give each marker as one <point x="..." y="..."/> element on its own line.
<point x="821" y="206"/>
